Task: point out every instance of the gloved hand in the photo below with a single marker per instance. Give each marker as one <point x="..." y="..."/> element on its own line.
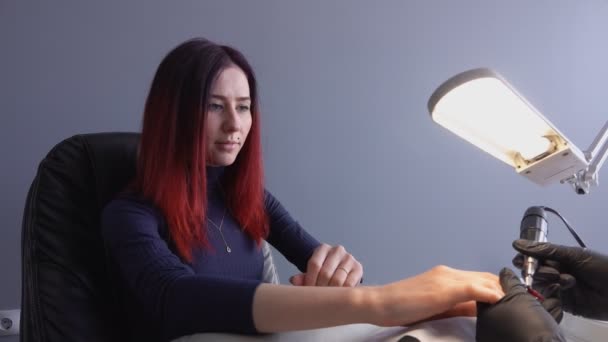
<point x="518" y="316"/>
<point x="576" y="276"/>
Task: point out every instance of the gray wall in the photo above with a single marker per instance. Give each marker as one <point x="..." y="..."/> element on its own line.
<point x="350" y="149"/>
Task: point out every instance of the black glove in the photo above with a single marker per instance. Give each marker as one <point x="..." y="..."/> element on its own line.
<point x="576" y="276"/>
<point x="518" y="316"/>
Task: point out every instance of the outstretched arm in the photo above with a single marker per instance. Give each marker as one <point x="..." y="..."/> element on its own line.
<point x="281" y="308"/>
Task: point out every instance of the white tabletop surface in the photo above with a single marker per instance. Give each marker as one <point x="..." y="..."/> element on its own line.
<point x="458" y="329"/>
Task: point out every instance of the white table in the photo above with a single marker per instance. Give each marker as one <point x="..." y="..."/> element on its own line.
<point x="458" y="329"/>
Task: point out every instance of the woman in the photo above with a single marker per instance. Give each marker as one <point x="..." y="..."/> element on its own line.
<point x="184" y="240"/>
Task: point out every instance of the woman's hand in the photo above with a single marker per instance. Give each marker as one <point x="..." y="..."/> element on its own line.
<point x="330" y="266"/>
<point x="438" y="293"/>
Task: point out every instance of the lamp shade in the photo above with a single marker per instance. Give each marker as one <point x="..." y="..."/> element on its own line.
<point x="482" y="108"/>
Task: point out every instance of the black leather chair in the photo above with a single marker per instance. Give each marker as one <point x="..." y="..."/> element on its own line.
<point x="67" y="295"/>
<point x="66" y="292"/>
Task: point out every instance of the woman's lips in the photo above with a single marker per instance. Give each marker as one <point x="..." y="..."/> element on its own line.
<point x="227" y="146"/>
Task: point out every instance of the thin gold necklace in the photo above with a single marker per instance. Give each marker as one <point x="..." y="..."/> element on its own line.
<point x="219" y="229"/>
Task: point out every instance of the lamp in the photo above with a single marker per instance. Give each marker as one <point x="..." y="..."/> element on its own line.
<point x="481" y="107"/>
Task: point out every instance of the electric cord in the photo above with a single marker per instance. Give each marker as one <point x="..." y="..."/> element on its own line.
<point x="572" y="231"/>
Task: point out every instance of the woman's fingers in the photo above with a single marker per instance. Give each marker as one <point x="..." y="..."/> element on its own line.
<point x="315" y="263"/>
<point x="478" y="286"/>
<point x="332" y="266"/>
<point x="355" y="275"/>
<point x="333" y="259"/>
<point x="298" y="279"/>
<point x="468" y="309"/>
<point x="484" y="292"/>
<point x="348" y="273"/>
<point x="469" y="285"/>
<point x="343" y="271"/>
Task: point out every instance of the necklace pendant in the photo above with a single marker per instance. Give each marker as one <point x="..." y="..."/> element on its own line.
<point x="228" y="249"/>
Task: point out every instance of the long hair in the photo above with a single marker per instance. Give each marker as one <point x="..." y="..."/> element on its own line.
<point x="171" y="164"/>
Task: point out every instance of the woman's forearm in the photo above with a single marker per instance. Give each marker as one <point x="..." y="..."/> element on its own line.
<point x="281" y="308"/>
<point x="441" y="291"/>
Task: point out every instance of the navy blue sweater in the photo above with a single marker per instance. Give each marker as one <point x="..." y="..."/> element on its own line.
<point x="165" y="297"/>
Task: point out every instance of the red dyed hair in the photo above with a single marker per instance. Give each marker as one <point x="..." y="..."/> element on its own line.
<point x="171" y="165"/>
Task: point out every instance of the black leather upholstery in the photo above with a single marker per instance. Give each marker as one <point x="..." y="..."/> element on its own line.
<point x="66" y="292"/>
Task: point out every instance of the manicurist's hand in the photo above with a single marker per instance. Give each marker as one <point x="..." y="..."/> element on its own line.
<point x="576" y="277"/>
<point x="330" y="266"/>
<point x="516" y="317"/>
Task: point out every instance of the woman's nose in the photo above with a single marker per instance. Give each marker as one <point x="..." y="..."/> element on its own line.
<point x="232" y="121"/>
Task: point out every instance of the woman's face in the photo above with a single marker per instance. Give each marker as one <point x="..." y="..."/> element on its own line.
<point x="228" y="116"/>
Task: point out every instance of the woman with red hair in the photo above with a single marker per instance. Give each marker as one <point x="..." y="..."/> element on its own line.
<point x="184" y="241"/>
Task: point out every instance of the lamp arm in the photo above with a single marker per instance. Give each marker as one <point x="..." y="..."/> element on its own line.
<point x="597" y="150"/>
<point x="596" y="156"/>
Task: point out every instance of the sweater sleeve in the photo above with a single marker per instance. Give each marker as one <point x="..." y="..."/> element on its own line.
<point x="166" y="289"/>
<point x="287" y="236"/>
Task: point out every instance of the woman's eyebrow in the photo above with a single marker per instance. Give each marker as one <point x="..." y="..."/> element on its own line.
<point x="242" y="98"/>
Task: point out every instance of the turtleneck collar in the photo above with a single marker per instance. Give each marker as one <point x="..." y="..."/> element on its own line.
<point x="214" y="175"/>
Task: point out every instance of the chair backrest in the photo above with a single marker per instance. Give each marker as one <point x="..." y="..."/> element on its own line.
<point x="66" y="293"/>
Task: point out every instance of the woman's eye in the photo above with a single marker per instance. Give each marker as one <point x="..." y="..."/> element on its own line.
<point x="215" y="107"/>
<point x="243" y="108"/>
